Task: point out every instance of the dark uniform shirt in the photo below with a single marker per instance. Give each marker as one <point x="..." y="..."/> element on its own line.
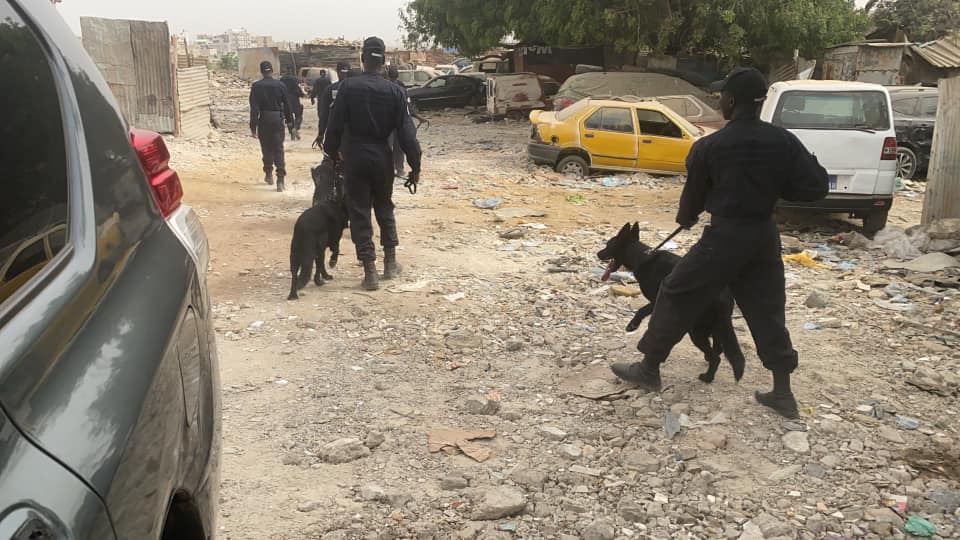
<point x="319" y="87"/>
<point x="292" y="85"/>
<point x="741" y="171"/>
<point x="269" y="94"/>
<point x="326" y="103"/>
<point x="367" y="109"/>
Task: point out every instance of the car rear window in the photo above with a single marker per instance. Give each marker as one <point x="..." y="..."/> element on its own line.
<point x="573" y="109"/>
<point x="33" y="208"/>
<point x="833" y="110"/>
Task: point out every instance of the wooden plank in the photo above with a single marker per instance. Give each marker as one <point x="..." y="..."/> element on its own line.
<point x="942" y="199"/>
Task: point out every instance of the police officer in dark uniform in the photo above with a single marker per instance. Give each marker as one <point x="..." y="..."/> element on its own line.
<point x="319" y="87"/>
<point x="326" y="99"/>
<point x="295" y="92"/>
<point x="270" y="107"/>
<point x="367" y="109"/>
<point x="737" y="175"/>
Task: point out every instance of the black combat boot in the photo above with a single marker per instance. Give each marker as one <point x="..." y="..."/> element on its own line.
<point x="371" y="281"/>
<point x="280" y="183"/>
<point x="268" y="178"/>
<point x="390" y="267"/>
<point x="646" y="374"/>
<point x="781" y="398"/>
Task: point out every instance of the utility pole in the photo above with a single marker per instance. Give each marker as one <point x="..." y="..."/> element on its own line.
<point x="942" y="199"/>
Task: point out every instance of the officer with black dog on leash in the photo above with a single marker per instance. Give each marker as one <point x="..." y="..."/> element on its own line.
<point x="737" y="175"/>
<point x="366" y="110"/>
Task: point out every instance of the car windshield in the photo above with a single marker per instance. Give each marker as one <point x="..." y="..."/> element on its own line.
<point x="573" y="109"/>
<point x="833" y="110"/>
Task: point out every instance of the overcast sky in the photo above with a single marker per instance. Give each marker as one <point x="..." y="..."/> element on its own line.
<point x="291" y="20"/>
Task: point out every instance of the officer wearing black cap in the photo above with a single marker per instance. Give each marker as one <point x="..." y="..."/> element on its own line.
<point x="270" y="108"/>
<point x="292" y="84"/>
<point x="737" y="175"/>
<point x="319" y="87"/>
<point x="367" y="109"/>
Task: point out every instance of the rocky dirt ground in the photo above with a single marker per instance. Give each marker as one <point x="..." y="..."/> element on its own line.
<point x="497" y="325"/>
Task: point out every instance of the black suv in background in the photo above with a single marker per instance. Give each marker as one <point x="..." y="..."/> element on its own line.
<point x="109" y="388"/>
<point x="914" y="113"/>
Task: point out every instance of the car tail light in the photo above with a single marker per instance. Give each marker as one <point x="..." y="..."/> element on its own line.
<point x="155" y="160"/>
<point x="889" y="149"/>
<point x="562" y="103"/>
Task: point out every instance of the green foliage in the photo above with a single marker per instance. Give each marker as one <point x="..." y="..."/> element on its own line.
<point x="230" y="61"/>
<point x="763" y="28"/>
<point x="922" y="20"/>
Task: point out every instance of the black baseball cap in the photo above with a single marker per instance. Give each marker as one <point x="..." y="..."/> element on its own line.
<point x="266" y="67"/>
<point x="343" y="67"/>
<point x="374" y="46"/>
<point x="744" y="83"/>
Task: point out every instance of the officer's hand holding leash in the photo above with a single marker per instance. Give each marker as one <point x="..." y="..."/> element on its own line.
<point x="411" y="181"/>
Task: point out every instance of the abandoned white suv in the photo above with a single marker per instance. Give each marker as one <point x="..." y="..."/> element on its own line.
<point x="849" y="127"/>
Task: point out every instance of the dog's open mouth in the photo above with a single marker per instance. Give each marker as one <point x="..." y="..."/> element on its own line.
<point x="612" y="267"/>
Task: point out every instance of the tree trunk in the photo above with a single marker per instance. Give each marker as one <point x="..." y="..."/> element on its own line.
<point x="942" y="199"/>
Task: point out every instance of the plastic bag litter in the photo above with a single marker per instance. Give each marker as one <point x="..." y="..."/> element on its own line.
<point x="805" y="259"/>
<point x="895" y="243"/>
<point x="615" y="181"/>
<point x="918" y="526"/>
<point x="487" y="204"/>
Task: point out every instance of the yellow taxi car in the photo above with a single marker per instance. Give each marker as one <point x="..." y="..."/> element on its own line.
<point x="620" y="134"/>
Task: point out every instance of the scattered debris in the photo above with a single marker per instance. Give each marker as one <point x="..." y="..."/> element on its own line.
<point x="451" y="440"/>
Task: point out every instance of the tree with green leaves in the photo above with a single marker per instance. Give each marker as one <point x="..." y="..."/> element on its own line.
<point x="921" y="20"/>
<point x="230" y="62"/>
<point x="763" y="28"/>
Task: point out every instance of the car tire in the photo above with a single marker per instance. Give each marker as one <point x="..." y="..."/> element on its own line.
<point x="573" y="165"/>
<point x="874" y="222"/>
<point x="906" y="163"/>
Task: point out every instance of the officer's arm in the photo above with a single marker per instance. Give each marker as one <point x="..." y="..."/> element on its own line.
<point x="407" y="133"/>
<point x="806" y="179"/>
<point x="314" y="91"/>
<point x="695" y="190"/>
<point x="254" y="111"/>
<point x="335" y="125"/>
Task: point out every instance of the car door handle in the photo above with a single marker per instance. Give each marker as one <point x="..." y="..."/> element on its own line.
<point x="588" y="135"/>
<point x="646" y="141"/>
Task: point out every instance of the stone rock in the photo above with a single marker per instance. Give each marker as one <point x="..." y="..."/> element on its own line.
<point x="772" y="527"/>
<point x="292" y="459"/>
<point x="499" y="502"/>
<point x="751" y="531"/>
<point x="553" y="433"/>
<point x="373" y="492"/>
<point x="830" y="461"/>
<point x="815" y="471"/>
<point x="374" y="439"/>
<point x="601" y="529"/>
<point x="453" y="483"/>
<point x="947" y="500"/>
<point x="817" y="524"/>
<point x="796" y="441"/>
<point x="817" y="300"/>
<point x="784" y="473"/>
<point x="530" y="478"/>
<point x="890" y="434"/>
<point x="309" y="506"/>
<point x="632" y="512"/>
<point x="570" y="451"/>
<point x="399" y="499"/>
<point x="343" y="451"/>
<point x="927" y="379"/>
<point x="514" y="345"/>
<point x="481" y="406"/>
<point x="641" y="461"/>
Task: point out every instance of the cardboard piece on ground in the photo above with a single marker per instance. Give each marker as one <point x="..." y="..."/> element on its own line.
<point x="595" y="382"/>
<point x="931" y="262"/>
<point x="450" y="439"/>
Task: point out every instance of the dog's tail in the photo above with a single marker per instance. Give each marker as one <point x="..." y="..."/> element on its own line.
<point x="730" y="346"/>
<point x="302" y="251"/>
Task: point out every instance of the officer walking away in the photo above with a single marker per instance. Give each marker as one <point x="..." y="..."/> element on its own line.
<point x="270" y="108"/>
<point x="737" y="175"/>
<point x="320" y="85"/>
<point x="295" y="92"/>
<point x="393" y="74"/>
<point x="326" y="100"/>
<point x="367" y="109"/>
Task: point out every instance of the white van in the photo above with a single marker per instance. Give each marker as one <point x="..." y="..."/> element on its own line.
<point x="514" y="95"/>
<point x="849" y="127"/>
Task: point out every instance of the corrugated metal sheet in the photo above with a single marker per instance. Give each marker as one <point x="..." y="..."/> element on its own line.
<point x="151" y="53"/>
<point x="193" y="88"/>
<point x="943" y="53"/>
<point x="134" y="58"/>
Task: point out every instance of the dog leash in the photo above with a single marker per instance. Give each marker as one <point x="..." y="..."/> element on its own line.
<point x="411" y="186"/>
<point x="669" y="238"/>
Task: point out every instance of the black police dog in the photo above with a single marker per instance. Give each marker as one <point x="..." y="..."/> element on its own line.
<point x="318" y="229"/>
<point x="650" y="268"/>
